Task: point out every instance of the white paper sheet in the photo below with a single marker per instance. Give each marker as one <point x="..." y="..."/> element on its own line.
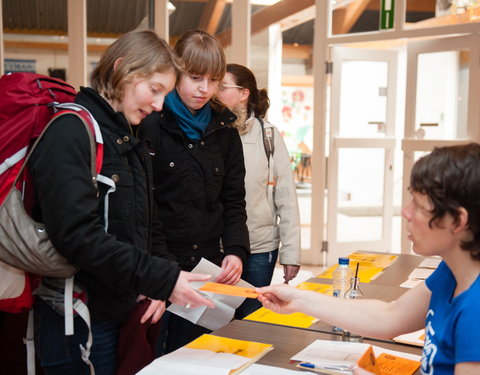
<point x="225" y="305"/>
<point x="413" y="338"/>
<point x="256" y="369"/>
<point x="331" y="353"/>
<point x="411" y="283"/>
<point x="185" y="361"/>
<point x="420" y="273"/>
<point x="430" y="263"/>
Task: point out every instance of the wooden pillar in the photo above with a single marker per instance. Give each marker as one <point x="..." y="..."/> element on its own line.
<point x="161" y="19"/>
<point x="241" y="30"/>
<point x="77" y="43"/>
<point x="320" y="58"/>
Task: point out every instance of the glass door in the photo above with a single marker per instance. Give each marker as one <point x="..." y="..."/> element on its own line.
<point x="442" y="100"/>
<point x="361" y="151"/>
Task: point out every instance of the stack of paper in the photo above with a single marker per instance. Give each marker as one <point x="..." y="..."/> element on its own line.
<point x="209" y="355"/>
<point x="416" y="338"/>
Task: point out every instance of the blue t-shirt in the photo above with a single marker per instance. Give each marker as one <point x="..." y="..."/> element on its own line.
<point x="452" y="327"/>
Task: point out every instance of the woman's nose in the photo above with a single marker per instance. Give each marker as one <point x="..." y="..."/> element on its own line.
<point x="203" y="85"/>
<point x="407" y="211"/>
<point x="157" y="104"/>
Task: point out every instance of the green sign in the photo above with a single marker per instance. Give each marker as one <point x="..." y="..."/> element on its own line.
<point x="386" y="14"/>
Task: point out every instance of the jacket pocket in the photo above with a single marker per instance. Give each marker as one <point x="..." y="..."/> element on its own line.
<point x="121" y="197"/>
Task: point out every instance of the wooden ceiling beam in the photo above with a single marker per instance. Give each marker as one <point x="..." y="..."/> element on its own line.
<point x="50" y="46"/>
<point x="344" y="18"/>
<point x="268" y="16"/>
<point x="412" y="5"/>
<point x="212" y="13"/>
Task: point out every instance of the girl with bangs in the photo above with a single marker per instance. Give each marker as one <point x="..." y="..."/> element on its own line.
<point x="198" y="172"/>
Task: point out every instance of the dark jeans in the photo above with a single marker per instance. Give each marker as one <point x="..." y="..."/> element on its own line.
<point x="258" y="271"/>
<point x="176" y="332"/>
<point x="60" y="354"/>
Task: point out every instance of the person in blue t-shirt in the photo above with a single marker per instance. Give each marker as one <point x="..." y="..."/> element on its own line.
<point x="443" y="219"/>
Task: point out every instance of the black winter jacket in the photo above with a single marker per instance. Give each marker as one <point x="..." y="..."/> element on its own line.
<point x="116" y="266"/>
<point x="199" y="188"/>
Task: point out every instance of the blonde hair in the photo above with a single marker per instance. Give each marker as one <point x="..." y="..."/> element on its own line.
<point x="201" y="53"/>
<point x="140" y="53"/>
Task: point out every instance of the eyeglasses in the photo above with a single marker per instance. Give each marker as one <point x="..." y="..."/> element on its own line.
<point x="224" y="86"/>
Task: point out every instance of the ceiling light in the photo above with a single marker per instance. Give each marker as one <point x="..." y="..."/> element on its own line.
<point x="171" y="8"/>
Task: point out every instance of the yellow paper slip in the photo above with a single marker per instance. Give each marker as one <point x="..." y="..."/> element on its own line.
<point x="365" y="273"/>
<point x="217" y="344"/>
<point x="314" y="287"/>
<point x="373" y="260"/>
<point x="298" y="320"/>
<point x="230" y="290"/>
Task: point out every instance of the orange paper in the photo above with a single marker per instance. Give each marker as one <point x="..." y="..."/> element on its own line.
<point x="230" y="290"/>
<point x="387" y="364"/>
<point x="367" y="361"/>
<point x="392" y="365"/>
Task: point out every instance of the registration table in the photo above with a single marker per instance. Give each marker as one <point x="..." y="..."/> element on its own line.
<point x="290" y="334"/>
<point x="288" y="341"/>
<point x="384" y="286"/>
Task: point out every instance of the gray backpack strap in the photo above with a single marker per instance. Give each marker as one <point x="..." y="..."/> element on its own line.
<point x="58" y="294"/>
<point x="268" y="141"/>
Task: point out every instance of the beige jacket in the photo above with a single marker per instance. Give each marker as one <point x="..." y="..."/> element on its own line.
<point x="269" y="226"/>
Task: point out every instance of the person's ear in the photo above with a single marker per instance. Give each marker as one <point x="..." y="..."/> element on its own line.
<point x="462" y="221"/>
<point x="244" y="95"/>
<point x="116" y="63"/>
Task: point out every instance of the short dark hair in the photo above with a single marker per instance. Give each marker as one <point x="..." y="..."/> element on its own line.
<point x="450" y="177"/>
<point x="258" y="100"/>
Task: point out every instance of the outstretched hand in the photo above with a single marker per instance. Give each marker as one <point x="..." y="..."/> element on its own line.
<point x="184" y="294"/>
<point x="279" y="298"/>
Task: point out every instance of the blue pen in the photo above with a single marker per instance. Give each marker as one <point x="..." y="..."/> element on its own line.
<point x="340" y="368"/>
<point x="307" y="365"/>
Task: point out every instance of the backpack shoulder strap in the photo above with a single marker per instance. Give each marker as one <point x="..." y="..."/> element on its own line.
<point x="268" y="140"/>
<point x="269" y="145"/>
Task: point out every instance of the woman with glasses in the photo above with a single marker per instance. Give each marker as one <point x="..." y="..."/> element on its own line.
<point x="272" y="206"/>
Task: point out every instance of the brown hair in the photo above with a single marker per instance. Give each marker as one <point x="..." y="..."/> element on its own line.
<point x="450" y="177"/>
<point x="141" y="53"/>
<point x="258" y="100"/>
<point x="201" y="53"/>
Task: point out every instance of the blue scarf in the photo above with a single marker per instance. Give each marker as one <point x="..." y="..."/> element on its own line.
<point x="192" y="125"/>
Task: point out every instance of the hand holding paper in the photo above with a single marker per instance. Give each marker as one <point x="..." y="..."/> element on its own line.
<point x="225" y="304"/>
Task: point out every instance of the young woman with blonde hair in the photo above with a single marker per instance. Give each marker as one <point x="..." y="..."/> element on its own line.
<point x="123" y="259"/>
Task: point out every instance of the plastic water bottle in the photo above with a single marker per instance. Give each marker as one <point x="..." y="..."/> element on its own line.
<point x="341" y="281"/>
<point x="353" y="292"/>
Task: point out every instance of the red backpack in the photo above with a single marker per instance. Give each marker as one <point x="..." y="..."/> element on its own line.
<point x="29" y="102"/>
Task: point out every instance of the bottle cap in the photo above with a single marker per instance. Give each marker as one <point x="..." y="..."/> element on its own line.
<point x="343" y="260"/>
